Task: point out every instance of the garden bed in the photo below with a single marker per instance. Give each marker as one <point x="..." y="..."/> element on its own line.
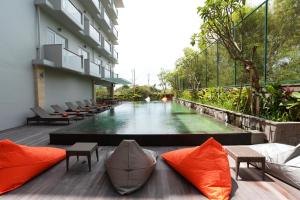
<point x="280" y="132"/>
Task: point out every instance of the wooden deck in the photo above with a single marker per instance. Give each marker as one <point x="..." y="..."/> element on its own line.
<point x="78" y="183"/>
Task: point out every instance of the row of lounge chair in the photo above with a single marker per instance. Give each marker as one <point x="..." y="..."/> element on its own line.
<point x="74" y="112"/>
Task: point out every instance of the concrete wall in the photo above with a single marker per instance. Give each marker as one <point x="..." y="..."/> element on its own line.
<point x="17" y="49"/>
<point x="61" y="86"/>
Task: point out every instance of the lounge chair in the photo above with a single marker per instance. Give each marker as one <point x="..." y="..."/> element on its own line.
<point x="60" y="110"/>
<point x="89" y="104"/>
<point x="82" y="106"/>
<point x="94" y="103"/>
<point x="44" y="116"/>
<point x="75" y="108"/>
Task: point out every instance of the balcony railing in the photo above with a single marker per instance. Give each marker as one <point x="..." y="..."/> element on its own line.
<point x="63" y="11"/>
<point x="115" y="32"/>
<point x="115" y="75"/>
<point x="106" y="73"/>
<point x="71" y="60"/>
<point x="72" y="11"/>
<point x="63" y="58"/>
<point x="95" y="34"/>
<point x="92" y="68"/>
<point x="106" y="18"/>
<point x="107" y="47"/>
<point x="116" y="55"/>
<point x="114" y="9"/>
<point x="97" y="3"/>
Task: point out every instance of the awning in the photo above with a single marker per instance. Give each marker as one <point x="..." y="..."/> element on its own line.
<point x="117" y="81"/>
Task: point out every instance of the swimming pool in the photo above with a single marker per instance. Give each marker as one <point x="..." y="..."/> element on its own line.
<point x="152" y="118"/>
<point x="151" y="122"/>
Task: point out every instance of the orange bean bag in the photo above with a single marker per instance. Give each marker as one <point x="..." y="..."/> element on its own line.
<point x="205" y="166"/>
<point x="19" y="163"/>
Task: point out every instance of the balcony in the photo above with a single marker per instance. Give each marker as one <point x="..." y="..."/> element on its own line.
<point x="105" y="73"/>
<point x="92" y="68"/>
<point x="115" y="56"/>
<point x="113" y="35"/>
<point x="115" y="75"/>
<point x="64" y="12"/>
<point x="63" y="58"/>
<point x="92" y="35"/>
<point x="104" y="20"/>
<point x="111" y="9"/>
<point x="93" y="6"/>
<point x="107" y="48"/>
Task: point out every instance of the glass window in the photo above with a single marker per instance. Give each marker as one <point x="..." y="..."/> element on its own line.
<point x="60" y="40"/>
<point x="50" y="37"/>
<point x="83" y="53"/>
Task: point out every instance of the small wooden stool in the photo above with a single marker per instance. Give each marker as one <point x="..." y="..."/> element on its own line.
<point x="245" y="154"/>
<point x="82" y="149"/>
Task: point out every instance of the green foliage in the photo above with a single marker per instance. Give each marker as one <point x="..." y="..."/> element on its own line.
<point x="278" y="104"/>
<point x="186" y="94"/>
<point x="281" y="104"/>
<point x="125" y="93"/>
<point x="102" y="93"/>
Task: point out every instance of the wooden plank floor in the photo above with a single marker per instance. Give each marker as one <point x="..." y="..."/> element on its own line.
<point x="164" y="183"/>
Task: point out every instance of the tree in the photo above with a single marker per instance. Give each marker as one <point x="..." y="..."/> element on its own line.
<point x="219" y="22"/>
<point x="162" y="77"/>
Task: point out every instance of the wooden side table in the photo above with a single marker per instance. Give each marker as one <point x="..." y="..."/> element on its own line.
<point x="245" y="154"/>
<point x="82" y="149"/>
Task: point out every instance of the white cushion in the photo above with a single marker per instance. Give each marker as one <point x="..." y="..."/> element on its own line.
<point x="282" y="161"/>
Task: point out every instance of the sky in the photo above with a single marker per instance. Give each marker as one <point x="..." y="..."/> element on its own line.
<point x="153" y="34"/>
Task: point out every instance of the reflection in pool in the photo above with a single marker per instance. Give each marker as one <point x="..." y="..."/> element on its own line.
<point x="151" y="118"/>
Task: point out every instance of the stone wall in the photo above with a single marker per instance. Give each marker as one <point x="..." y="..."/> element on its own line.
<point x="280" y="132"/>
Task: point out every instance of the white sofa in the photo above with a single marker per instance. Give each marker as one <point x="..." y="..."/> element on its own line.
<point x="282" y="161"/>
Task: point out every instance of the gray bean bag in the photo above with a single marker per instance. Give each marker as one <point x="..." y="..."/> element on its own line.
<point x="129" y="166"/>
<point x="282" y="161"/>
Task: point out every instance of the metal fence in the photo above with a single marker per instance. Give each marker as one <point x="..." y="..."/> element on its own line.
<point x="274" y="28"/>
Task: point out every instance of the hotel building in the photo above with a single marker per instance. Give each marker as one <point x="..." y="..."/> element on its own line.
<point x="53" y="51"/>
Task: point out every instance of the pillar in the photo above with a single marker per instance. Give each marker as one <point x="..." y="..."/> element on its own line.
<point x="39" y="82"/>
<point x="110" y="90"/>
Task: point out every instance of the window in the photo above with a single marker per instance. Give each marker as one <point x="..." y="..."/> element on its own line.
<point x="83" y="53"/>
<point x="50" y="37"/>
<point x="54" y="38"/>
<point x="60" y="40"/>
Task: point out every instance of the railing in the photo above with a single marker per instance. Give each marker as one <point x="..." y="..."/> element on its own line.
<point x="107" y="46"/>
<point x="115" y="32"/>
<point x="97" y="3"/>
<point x="106" y="73"/>
<point x="106" y="18"/>
<point x="71" y="60"/>
<point x="72" y="11"/>
<point x="114" y="75"/>
<point x="95" y="69"/>
<point x="95" y="34"/>
<point x="116" y="55"/>
<point x="114" y="8"/>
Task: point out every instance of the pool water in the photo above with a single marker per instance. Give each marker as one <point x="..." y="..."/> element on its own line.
<point x="151" y="118"/>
